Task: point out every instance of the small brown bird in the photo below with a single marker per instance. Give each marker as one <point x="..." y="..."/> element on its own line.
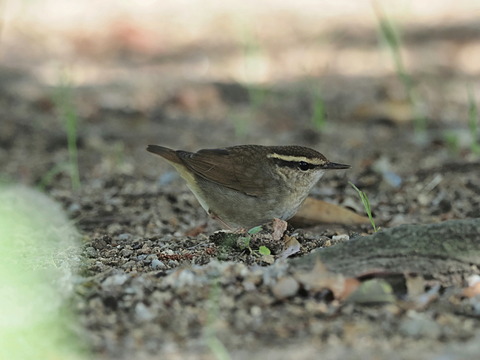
<point x="248" y="185"/>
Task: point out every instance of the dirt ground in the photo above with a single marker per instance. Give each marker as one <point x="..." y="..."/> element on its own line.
<point x="158" y="280"/>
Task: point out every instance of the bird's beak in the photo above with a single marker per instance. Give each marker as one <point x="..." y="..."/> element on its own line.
<point x="335" y="166"/>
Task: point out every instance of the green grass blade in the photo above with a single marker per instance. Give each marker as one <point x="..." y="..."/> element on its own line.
<point x="366" y="205"/>
<point x="67" y="112"/>
<point x="473" y="120"/>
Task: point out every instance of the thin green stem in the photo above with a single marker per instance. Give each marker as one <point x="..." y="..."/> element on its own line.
<point x="473" y="120"/>
<point x="213" y="342"/>
<point x="366" y="205"/>
<point x="318" y="118"/>
<point x="390" y="34"/>
<point x="67" y="112"/>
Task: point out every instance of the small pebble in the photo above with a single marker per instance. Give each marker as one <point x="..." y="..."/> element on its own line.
<point x="342" y="237"/>
<point x="74" y="207"/>
<point x="420" y="325"/>
<point x="157" y="264"/>
<point x="91" y="252"/>
<point x="126" y="252"/>
<point x="142" y="257"/>
<point x="114" y="280"/>
<point x="124" y="236"/>
<point x="151" y="257"/>
<point x="143" y="313"/>
<point x="285" y="287"/>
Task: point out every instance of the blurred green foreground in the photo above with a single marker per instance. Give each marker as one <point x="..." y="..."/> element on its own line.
<point x="39" y="255"/>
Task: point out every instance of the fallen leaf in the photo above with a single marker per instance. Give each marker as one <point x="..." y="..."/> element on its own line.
<point x="268" y="259"/>
<point x="473" y="280"/>
<point x="415" y="285"/>
<point x="292" y="246"/>
<point x="417" y="296"/>
<point x="423" y="300"/>
<point x="255" y="230"/>
<point x="203" y="99"/>
<point x="397" y="111"/>
<point x="373" y="291"/>
<point x="314" y="211"/>
<point x="269" y="235"/>
<point x="474" y="287"/>
<point x="319" y="278"/>
<point x="263" y="250"/>
<point x="197" y="230"/>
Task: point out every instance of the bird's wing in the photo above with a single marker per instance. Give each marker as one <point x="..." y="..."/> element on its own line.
<point x="225" y="167"/>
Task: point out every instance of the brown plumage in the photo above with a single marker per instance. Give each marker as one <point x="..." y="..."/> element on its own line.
<point x="248" y="185"/>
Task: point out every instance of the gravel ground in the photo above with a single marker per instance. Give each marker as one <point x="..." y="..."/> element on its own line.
<point x="159" y="279"/>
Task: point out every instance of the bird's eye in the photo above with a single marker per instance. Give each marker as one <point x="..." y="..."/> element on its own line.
<point x="304" y="166"/>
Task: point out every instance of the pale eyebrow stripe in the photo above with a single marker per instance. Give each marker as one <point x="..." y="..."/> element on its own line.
<point x="293" y="158"/>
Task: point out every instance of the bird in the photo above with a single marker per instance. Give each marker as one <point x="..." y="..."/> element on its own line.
<point x="244" y="186"/>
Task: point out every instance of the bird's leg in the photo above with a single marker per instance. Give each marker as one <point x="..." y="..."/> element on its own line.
<point x="224" y="224"/>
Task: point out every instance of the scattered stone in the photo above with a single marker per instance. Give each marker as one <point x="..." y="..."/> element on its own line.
<point x="342" y="237"/>
<point x="157" y="265"/>
<point x="420" y="325"/>
<point x="114" y="280"/>
<point x="90" y="252"/>
<point x="285" y="287"/>
<point x="124" y="237"/>
<point x="143" y="313"/>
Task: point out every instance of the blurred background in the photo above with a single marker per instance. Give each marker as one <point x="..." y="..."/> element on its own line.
<point x="348" y="78"/>
<point x="388" y="86"/>
<point x="244" y="41"/>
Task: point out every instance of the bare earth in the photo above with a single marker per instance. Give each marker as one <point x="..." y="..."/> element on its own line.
<point x="158" y="281"/>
